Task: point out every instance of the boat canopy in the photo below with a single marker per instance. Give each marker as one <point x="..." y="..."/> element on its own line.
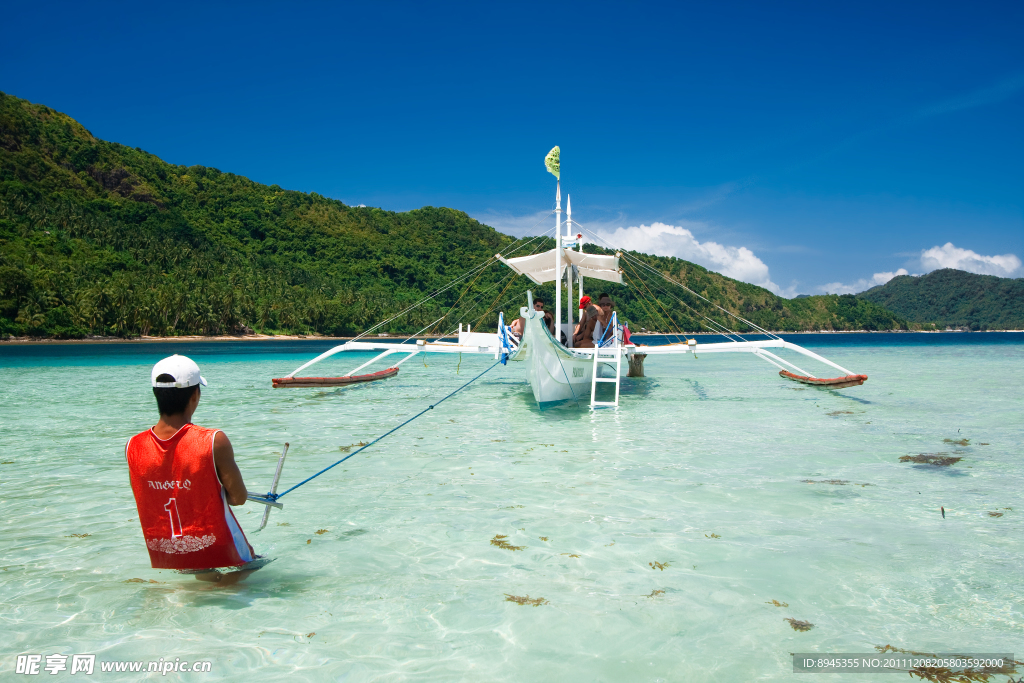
<point x="541" y="267"/>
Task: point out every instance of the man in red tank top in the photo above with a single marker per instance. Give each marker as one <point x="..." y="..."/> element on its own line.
<point x="184" y="477"/>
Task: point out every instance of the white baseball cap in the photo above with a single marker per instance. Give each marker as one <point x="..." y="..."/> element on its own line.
<point x="182" y="368"/>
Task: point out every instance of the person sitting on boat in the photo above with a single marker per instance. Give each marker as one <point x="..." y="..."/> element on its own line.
<point x="601" y="332"/>
<point x="184" y="477"/>
<point x="549" y="317"/>
<point x="519" y="325"/>
<point x="583" y="337"/>
<point x="584" y="306"/>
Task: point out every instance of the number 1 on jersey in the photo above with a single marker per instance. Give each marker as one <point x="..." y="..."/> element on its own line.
<point x="172" y="511"/>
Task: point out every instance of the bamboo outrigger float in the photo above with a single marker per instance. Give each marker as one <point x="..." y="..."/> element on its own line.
<point x="281" y="382"/>
<point x="556" y="371"/>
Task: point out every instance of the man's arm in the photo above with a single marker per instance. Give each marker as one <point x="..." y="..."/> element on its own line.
<point x="227" y="470"/>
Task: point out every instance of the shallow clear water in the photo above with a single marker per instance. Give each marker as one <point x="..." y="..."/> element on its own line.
<point x="404" y="582"/>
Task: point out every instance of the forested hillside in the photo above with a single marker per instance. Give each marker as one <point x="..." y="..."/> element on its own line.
<point x="97" y="238"/>
<point x="954" y="298"/>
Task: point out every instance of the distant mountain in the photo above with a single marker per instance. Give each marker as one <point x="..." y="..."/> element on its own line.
<point x="954" y="298"/>
<point x="97" y="238"/>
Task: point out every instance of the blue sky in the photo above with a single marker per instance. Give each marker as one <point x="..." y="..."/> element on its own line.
<point x="803" y="147"/>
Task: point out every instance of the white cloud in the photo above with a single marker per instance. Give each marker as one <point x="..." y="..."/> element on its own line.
<point x="861" y="284"/>
<point x="949" y="256"/>
<point x="738" y="263"/>
<point x="946" y="256"/>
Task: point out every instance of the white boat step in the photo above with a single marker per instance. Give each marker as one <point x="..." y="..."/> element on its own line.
<point x="612" y="357"/>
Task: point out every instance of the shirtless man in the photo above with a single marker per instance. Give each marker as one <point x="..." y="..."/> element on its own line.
<point x="519" y="325"/>
<point x="184" y="477"/>
<point x="549" y="317"/>
<point x="584" y="335"/>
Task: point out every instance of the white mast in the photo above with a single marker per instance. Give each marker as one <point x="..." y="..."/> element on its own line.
<point x="579" y="285"/>
<point x="558" y="259"/>
<point x="569" y="302"/>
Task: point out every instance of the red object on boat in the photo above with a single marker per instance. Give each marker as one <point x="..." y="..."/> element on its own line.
<point x="831" y="383"/>
<point x="284" y="382"/>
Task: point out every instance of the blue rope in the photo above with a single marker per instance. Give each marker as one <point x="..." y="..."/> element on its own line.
<point x="275" y="496"/>
<point x="503" y="338"/>
<point x="612" y="324"/>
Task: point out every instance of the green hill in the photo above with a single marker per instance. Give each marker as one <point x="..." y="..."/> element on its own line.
<point x="97" y="238"/>
<point x="954" y="298"/>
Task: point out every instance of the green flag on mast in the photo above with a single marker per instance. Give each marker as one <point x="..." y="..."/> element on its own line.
<point x="551" y="162"/>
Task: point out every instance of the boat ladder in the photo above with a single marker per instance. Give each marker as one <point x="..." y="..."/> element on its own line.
<point x="612" y="355"/>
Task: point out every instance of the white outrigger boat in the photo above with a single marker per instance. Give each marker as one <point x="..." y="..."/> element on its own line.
<point x="558" y="372"/>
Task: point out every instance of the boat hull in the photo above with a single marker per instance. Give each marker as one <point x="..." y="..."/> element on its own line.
<point x="555" y="373"/>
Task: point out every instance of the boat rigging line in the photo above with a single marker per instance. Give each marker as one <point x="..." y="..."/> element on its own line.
<point x="474" y="270"/>
<point x="636" y="262"/>
<point x="272" y="498"/>
<point x="471" y="307"/>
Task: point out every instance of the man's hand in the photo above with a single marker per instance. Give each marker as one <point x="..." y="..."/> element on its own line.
<point x="227" y="470"/>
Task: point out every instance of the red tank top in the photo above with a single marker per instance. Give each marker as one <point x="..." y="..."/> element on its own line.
<point x="184" y="512"/>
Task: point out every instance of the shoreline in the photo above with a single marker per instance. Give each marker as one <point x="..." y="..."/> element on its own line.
<point x="32" y="341"/>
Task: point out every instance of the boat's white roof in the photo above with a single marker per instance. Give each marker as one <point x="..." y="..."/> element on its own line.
<point x="541" y="267"/>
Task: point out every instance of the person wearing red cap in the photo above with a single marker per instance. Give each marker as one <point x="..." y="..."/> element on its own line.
<point x="184" y="477"/>
<point x="583" y="337"/>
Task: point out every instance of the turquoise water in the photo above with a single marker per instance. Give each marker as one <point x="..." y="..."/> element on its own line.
<point x="701" y="469"/>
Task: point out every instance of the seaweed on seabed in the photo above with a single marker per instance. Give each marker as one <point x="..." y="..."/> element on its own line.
<point x="499" y="540"/>
<point x="657" y="565"/>
<point x="525" y="600"/>
<point x="799" y="625"/>
<point x="834" y="482"/>
<point x="777" y="603"/>
<point x="935" y="459"/>
<point x="941" y="674"/>
<point x="958" y="442"/>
